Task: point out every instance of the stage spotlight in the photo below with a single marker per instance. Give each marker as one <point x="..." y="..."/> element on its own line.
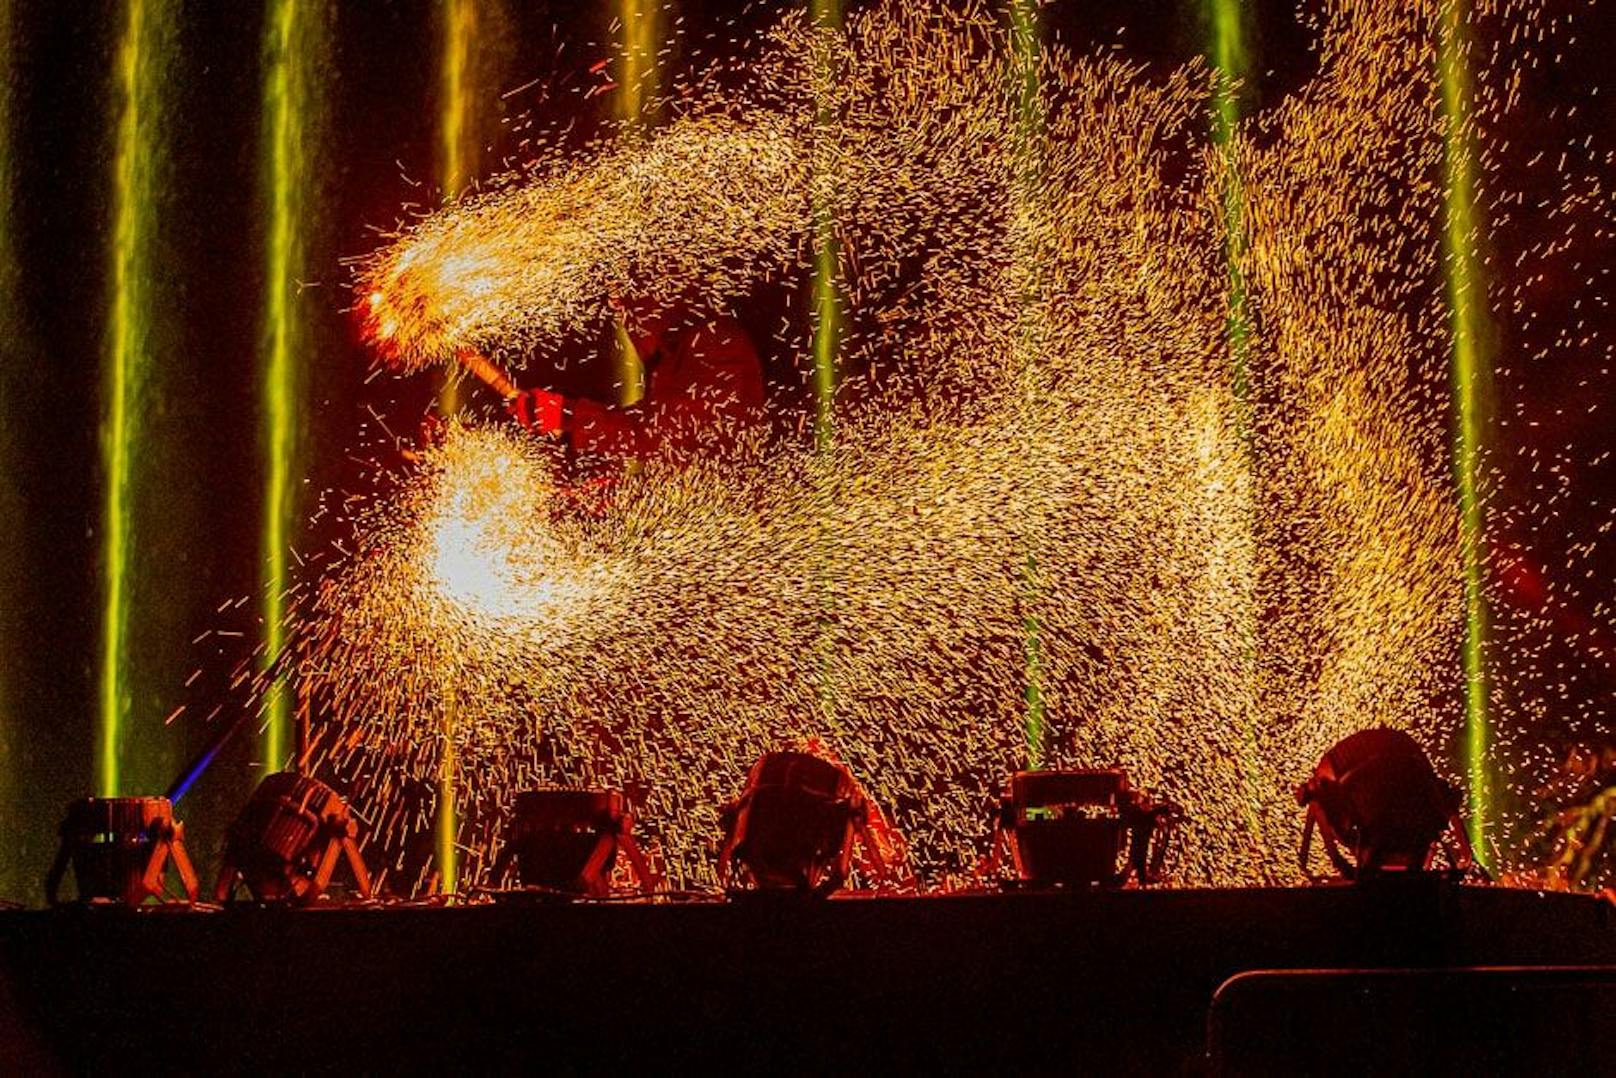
<point x="567" y="842"/>
<point x="794" y="826"/>
<point x="285" y="843"/>
<point x="120" y="849"/>
<point x="1376" y="794"/>
<point x="1073" y="828"/>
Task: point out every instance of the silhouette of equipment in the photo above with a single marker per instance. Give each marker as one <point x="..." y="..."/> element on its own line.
<point x="568" y="841"/>
<point x="120" y="850"/>
<point x="1084" y="828"/>
<point x="794" y="829"/>
<point x="285" y="844"/>
<point x="1379" y="806"/>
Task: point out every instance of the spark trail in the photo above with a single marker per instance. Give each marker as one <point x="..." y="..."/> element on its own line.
<point x="664" y="642"/>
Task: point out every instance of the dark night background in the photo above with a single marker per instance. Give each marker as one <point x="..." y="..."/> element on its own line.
<point x="197" y="488"/>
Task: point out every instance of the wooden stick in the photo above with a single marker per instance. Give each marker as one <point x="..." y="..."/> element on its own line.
<point x="490" y="375"/>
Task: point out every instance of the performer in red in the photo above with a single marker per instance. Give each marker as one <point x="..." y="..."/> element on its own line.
<point x="704" y="389"/>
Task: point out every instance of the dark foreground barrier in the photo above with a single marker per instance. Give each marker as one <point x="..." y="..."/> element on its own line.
<point x="1495" y="1020"/>
<point x="1091" y="981"/>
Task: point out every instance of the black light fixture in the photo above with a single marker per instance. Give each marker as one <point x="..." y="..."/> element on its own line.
<point x="120" y="850"/>
<point x="285" y="844"/>
<point x="1380" y="807"/>
<point x="566" y="842"/>
<point x="793" y="828"/>
<point x="1081" y="828"/>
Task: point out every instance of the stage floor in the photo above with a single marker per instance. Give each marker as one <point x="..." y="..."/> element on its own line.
<point x="1091" y="981"/>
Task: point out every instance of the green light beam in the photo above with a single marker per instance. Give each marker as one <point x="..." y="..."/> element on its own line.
<point x="825" y="314"/>
<point x="826" y="16"/>
<point x="1231" y="65"/>
<point x="446" y="829"/>
<point x="1026" y="53"/>
<point x="293" y="50"/>
<point x="1471" y="371"/>
<point x="138" y="82"/>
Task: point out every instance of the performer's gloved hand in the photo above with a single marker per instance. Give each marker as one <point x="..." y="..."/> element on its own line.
<point x="537" y="410"/>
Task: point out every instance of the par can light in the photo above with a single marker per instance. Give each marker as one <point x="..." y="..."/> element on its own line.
<point x="1083" y="828"/>
<point x="794" y="826"/>
<point x="285" y="844"/>
<point x="120" y="849"/>
<point x="1380" y="807"/>
<point x="566" y="842"/>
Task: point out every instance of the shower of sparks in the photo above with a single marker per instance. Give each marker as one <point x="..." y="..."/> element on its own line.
<point x="294" y="46"/>
<point x="138" y="80"/>
<point x="1472" y="365"/>
<point x="518" y="269"/>
<point x="660" y="642"/>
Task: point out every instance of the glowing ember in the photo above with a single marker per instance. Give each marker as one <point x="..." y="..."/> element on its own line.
<point x="490" y="553"/>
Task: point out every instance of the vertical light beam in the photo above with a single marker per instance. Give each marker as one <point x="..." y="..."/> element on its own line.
<point x="827" y="304"/>
<point x="642" y="39"/>
<point x="457" y="154"/>
<point x="457" y="131"/>
<point x="1471" y="327"/>
<point x="447" y="822"/>
<point x="1026" y="48"/>
<point x="826" y="312"/>
<point x="1231" y="65"/>
<point x="138" y="79"/>
<point x="293" y="50"/>
<point x="640" y="23"/>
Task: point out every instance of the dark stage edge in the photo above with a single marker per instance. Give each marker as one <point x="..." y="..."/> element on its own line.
<point x="1096" y="982"/>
